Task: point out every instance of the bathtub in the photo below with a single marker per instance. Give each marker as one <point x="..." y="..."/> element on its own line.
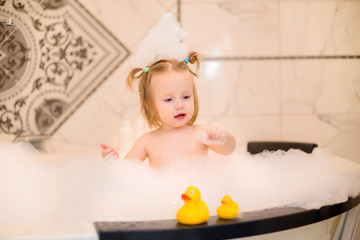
<point x="337" y="221"/>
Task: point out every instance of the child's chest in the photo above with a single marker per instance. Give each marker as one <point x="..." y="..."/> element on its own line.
<point x="166" y="147"/>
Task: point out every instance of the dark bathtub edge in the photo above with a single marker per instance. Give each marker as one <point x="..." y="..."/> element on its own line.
<point x="252" y="223"/>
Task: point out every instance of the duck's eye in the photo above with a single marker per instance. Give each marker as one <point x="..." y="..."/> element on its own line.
<point x="192" y="191"/>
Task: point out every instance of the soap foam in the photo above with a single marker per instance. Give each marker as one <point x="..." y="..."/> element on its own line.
<point x="89" y="188"/>
<point x="30" y="189"/>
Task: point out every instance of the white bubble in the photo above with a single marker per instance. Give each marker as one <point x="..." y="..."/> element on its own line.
<point x="29" y="186"/>
<point x="162" y="41"/>
<point x="89" y="188"/>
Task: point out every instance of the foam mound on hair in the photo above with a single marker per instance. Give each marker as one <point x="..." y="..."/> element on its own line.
<point x="163" y="41"/>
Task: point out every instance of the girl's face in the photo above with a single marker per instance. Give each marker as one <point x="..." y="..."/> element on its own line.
<point x="173" y="96"/>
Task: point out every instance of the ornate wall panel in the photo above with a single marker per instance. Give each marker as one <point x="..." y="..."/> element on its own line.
<point x="52" y="57"/>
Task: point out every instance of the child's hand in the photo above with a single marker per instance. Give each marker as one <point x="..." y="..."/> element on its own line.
<point x="213" y="135"/>
<point x="108" y="151"/>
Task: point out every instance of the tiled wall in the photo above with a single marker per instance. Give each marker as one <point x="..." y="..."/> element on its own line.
<point x="53" y="55"/>
<point x="271" y="70"/>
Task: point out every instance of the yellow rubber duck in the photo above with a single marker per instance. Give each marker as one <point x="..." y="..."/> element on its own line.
<point x="194" y="210"/>
<point x="229" y="209"/>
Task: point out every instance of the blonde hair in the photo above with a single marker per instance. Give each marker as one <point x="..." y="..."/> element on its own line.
<point x="160" y="66"/>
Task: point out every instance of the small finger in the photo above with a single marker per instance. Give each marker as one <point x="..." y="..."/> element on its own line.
<point x="104" y="146"/>
<point x="211" y="133"/>
<point x="107" y="151"/>
<point x="217" y="133"/>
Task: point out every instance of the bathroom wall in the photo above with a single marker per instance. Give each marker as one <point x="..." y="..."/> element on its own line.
<point x="271" y="70"/>
<point x="53" y="55"/>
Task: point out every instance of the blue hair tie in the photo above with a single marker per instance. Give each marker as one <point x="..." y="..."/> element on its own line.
<point x="145" y="69"/>
<point x="186" y="60"/>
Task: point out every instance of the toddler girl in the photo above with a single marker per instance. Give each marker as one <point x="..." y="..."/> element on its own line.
<point x="170" y="105"/>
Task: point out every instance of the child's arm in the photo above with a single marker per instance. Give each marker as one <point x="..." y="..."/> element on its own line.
<point x="218" y="139"/>
<point x="138" y="151"/>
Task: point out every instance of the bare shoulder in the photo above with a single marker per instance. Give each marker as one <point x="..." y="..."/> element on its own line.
<point x="147" y="138"/>
<point x="143" y="139"/>
<point x="139" y="149"/>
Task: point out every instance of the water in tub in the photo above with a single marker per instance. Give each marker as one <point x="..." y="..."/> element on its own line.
<point x="36" y="190"/>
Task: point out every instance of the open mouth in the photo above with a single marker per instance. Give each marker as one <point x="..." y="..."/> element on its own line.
<point x="180" y="116"/>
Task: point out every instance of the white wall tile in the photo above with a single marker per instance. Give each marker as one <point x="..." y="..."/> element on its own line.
<point x="232" y="28"/>
<point x="130" y="20"/>
<point x="338" y="133"/>
<point x="307" y="128"/>
<point x="93" y="123"/>
<point x="320" y="86"/>
<point x="320" y="27"/>
<point x="239" y="87"/>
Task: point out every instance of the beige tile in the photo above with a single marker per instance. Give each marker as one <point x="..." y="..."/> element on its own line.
<point x="319" y="27"/>
<point x="234" y="87"/>
<point x="320" y="86"/>
<point x="93" y="123"/>
<point x="307" y="128"/>
<point x="231" y="28"/>
<point x="346" y="142"/>
<point x="130" y="20"/>
<point x="301" y="85"/>
<point x="117" y="96"/>
<point x="338" y="133"/>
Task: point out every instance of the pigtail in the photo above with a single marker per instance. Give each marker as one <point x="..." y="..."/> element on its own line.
<point x="144" y="94"/>
<point x="134" y="74"/>
<point x="194" y="58"/>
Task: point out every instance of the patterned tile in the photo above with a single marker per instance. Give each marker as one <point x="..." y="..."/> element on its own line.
<point x="52" y="58"/>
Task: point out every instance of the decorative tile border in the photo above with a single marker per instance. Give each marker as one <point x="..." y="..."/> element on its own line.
<point x="54" y="56"/>
<point x="304" y="57"/>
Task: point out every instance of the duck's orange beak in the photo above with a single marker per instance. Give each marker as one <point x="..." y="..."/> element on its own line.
<point x="185" y="197"/>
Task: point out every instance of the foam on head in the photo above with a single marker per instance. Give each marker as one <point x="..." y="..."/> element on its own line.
<point x="162" y="41"/>
<point x="86" y="189"/>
